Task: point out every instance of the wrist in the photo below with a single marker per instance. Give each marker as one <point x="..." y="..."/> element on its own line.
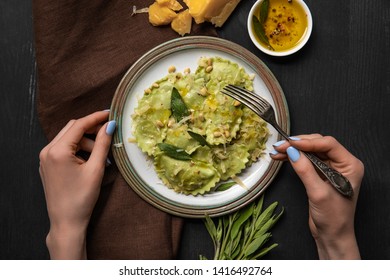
<point x="66" y="243"/>
<point x="338" y="247"/>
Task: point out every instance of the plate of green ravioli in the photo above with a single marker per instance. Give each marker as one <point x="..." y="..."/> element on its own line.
<point x="184" y="146"/>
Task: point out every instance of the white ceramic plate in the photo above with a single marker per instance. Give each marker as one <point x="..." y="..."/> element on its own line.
<point x="138" y="169"/>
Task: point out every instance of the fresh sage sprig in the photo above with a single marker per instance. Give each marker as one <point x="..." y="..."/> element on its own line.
<point x="243" y="235"/>
<point x="178" y="107"/>
<point x="258" y="24"/>
<point x="174" y="152"/>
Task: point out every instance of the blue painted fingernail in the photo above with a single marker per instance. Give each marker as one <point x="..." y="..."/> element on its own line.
<point x="273" y="153"/>
<point x="293" y="153"/>
<point x="294" y="138"/>
<point x="277" y="144"/>
<point x="111" y="127"/>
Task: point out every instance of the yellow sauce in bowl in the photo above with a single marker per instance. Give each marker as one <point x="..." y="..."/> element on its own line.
<point x="286" y="24"/>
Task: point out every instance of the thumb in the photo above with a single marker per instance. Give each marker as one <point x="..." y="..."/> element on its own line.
<point x="305" y="170"/>
<point x="102" y="144"/>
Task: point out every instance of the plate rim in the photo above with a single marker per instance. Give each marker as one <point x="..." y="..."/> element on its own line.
<point x="139" y="67"/>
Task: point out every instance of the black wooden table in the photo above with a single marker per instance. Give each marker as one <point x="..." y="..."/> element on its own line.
<point x="339" y="85"/>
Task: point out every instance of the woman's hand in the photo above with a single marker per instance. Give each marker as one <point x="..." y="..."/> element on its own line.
<point x="331" y="216"/>
<point x="72" y="184"/>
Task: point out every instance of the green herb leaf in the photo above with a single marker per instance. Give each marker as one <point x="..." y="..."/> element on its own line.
<point x="244" y="233"/>
<point x="225" y="186"/>
<point x="256" y="244"/>
<point x="235" y="244"/>
<point x="174" y="152"/>
<point x="236" y="251"/>
<point x="210" y="226"/>
<point x="264" y="251"/>
<point x="265" y="216"/>
<point x="269" y="224"/>
<point x="198" y="138"/>
<point x="258" y="207"/>
<point x="178" y="107"/>
<point x="244" y="215"/>
<point x="264" y="11"/>
<point x="260" y="32"/>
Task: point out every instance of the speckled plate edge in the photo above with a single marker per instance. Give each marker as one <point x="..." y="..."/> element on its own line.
<point x="120" y="97"/>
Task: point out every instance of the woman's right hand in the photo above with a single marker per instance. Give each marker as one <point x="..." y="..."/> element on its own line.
<point x="331" y="216"/>
<point x="72" y="184"/>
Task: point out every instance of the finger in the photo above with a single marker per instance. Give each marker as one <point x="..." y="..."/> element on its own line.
<point x="305" y="171"/>
<point x="56" y="138"/>
<point x="94" y="130"/>
<point x="81" y="126"/>
<point x="102" y="145"/>
<point x="281" y="146"/>
<point x="327" y="145"/>
<point x="44" y="152"/>
<point x="86" y="144"/>
<point x="274" y="154"/>
<point x="306" y="136"/>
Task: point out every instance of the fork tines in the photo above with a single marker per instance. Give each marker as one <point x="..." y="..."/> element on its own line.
<point x="246" y="97"/>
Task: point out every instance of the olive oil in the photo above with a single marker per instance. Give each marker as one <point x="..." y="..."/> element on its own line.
<point x="286" y="24"/>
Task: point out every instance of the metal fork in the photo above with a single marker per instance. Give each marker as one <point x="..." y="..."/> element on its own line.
<point x="264" y="109"/>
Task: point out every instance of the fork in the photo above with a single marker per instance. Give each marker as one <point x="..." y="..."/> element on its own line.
<point x="264" y="109"/>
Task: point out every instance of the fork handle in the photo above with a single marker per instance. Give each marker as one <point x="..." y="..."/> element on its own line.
<point x="335" y="178"/>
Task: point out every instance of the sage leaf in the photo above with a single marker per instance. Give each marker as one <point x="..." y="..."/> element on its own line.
<point x="270" y="223"/>
<point x="264" y="11"/>
<point x="236" y="251"/>
<point x="258" y="207"/>
<point x="178" y="107"/>
<point x="224" y="186"/>
<point x="198" y="138"/>
<point x="256" y="244"/>
<point x="174" y="152"/>
<point x="241" y="220"/>
<point x="265" y="216"/>
<point x="210" y="226"/>
<point x="264" y="251"/>
<point x="260" y="32"/>
<point x="236" y="242"/>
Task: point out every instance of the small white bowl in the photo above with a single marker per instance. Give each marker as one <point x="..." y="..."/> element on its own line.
<point x="294" y="49"/>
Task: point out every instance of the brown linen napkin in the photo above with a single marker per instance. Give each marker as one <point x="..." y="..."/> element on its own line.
<point x="83" y="48"/>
